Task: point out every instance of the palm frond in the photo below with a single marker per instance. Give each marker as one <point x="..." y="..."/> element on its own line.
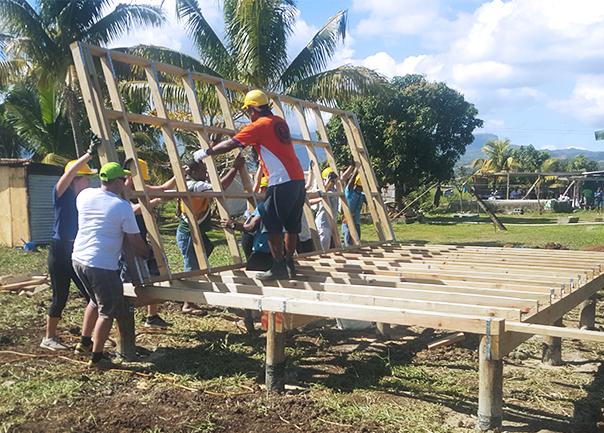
<point x="19" y="19"/>
<point x="162" y="55"/>
<point x="120" y="20"/>
<point x="211" y="50"/>
<point x="12" y="71"/>
<point x="314" y="57"/>
<point x="338" y="85"/>
<point x="258" y="31"/>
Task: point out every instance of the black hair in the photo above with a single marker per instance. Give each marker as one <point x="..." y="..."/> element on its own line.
<point x="264" y="110"/>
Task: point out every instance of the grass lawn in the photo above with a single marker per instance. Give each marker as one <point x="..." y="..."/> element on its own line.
<point x="204" y="374"/>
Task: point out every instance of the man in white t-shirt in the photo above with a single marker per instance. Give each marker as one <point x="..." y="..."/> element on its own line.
<point x="105" y="222"/>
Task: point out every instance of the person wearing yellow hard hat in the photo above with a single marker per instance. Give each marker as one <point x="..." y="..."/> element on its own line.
<point x="322" y="220"/>
<point x="75" y="178"/>
<point x="285" y="197"/>
<point x="355" y="199"/>
<point x="153" y="319"/>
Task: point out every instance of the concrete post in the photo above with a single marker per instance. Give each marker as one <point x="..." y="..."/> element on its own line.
<point x="587" y="317"/>
<point x="552" y="348"/>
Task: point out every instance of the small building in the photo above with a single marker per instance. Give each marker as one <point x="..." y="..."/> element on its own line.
<point x="26" y="209"/>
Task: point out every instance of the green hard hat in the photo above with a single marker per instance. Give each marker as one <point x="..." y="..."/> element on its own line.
<point x="111" y="171"/>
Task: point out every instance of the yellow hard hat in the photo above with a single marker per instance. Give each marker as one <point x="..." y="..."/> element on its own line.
<point x="325" y="172"/>
<point x="255" y="98"/>
<point x="264" y="182"/>
<point x="84" y="170"/>
<point x="357" y="180"/>
<point x="144" y="169"/>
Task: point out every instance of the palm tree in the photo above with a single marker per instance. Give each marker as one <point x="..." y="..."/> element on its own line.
<point x="36" y="116"/>
<point x="254" y="51"/>
<point x="498" y="157"/>
<point x="35" y="38"/>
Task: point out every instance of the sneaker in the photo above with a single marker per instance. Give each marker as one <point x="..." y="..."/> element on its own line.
<point x="156" y="322"/>
<point x="291" y="267"/>
<point x="277" y="272"/>
<point x="104" y="363"/>
<point x="52" y="343"/>
<point x="83" y="349"/>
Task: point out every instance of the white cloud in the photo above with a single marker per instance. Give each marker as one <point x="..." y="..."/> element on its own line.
<point x="302" y="33"/>
<point x="586" y="101"/>
<point x="502" y="54"/>
<point x="172" y="34"/>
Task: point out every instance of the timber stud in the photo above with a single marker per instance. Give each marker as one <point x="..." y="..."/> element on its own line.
<point x="275" y="355"/>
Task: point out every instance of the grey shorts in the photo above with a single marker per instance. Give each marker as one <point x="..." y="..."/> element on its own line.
<point x="104" y="288"/>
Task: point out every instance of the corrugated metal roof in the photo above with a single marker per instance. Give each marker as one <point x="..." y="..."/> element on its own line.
<point x="40" y="206"/>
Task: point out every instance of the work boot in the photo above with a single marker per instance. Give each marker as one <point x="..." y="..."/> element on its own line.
<point x="277" y="272"/>
<point x="104" y="363"/>
<point x="83" y="349"/>
<point x="291" y="267"/>
<point x="156" y="322"/>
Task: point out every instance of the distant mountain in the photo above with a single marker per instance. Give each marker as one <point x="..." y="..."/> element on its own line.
<point x="474" y="150"/>
<point x="571" y="152"/>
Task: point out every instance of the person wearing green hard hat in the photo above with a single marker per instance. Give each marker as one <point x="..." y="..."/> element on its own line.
<point x="105" y="222"/>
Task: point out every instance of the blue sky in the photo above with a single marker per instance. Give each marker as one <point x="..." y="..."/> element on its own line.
<point x="533" y="68"/>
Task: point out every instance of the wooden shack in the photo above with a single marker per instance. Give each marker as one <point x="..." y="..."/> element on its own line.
<point x="26" y="210"/>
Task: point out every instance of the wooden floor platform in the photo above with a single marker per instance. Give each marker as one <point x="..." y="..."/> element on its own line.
<point x="505" y="294"/>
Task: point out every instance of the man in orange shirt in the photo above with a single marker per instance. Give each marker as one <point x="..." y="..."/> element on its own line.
<point x="285" y="195"/>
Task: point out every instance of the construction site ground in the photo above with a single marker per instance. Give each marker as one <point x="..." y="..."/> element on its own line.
<point x="205" y="374"/>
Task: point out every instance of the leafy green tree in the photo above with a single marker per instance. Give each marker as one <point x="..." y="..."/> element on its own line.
<point x="254" y="51"/>
<point x="581" y="163"/>
<point x="527" y="158"/>
<point x="499" y="157"/>
<point x="36" y="34"/>
<point x="415" y="132"/>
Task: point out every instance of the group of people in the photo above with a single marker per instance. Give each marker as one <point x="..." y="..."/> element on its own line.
<point x="94" y="226"/>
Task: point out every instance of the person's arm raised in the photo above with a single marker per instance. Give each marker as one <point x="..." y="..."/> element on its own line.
<point x="67" y="177"/>
<point x="229" y="177"/>
<point x="218" y="149"/>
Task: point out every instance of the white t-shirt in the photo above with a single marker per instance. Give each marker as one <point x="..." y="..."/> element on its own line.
<point x="103" y="218"/>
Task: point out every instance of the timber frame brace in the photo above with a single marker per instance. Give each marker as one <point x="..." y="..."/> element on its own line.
<point x="110" y="118"/>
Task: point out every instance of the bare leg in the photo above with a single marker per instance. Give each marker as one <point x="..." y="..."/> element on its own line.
<point x="51" y="326"/>
<point x="152" y="310"/>
<point x="90" y="317"/>
<point x="275" y="242"/>
<point x="101" y="333"/>
<point x="291" y="240"/>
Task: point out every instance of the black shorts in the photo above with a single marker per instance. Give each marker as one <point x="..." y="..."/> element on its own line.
<point x="283" y="207"/>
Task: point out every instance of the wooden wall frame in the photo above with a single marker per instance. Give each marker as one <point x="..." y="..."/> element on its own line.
<point x="105" y="110"/>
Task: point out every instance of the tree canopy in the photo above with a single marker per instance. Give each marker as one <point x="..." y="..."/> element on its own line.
<point x="415" y="132"/>
<point x="35" y="37"/>
<point x="254" y="51"/>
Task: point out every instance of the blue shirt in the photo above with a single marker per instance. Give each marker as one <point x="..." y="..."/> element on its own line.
<point x="65" y="226"/>
<point x="260" y="237"/>
<point x="355" y="202"/>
